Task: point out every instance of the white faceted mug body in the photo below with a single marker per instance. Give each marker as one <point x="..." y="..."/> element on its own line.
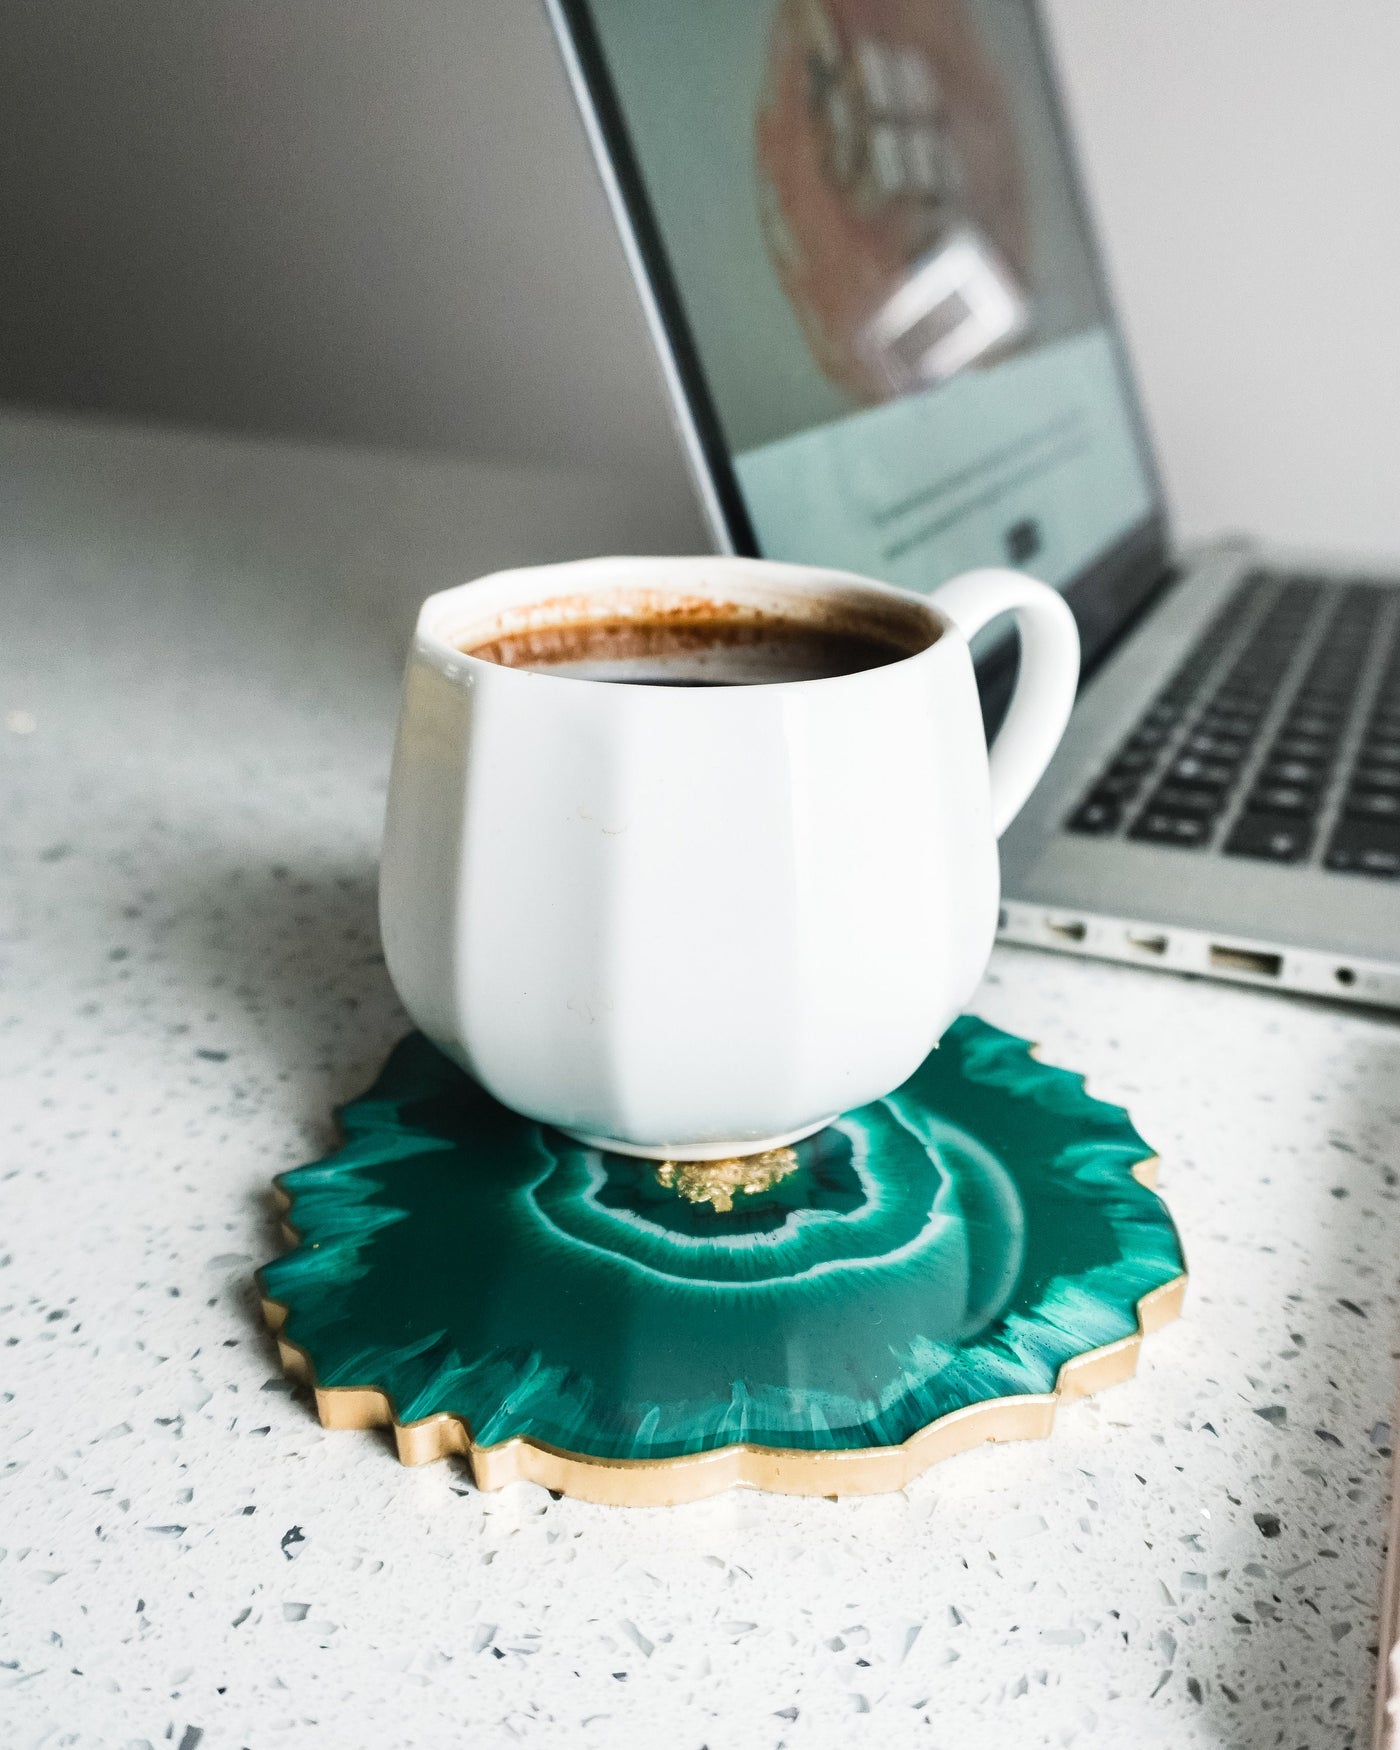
<point x="698" y="922"/>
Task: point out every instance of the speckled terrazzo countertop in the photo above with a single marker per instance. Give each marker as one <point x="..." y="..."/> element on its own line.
<point x="199" y="662"/>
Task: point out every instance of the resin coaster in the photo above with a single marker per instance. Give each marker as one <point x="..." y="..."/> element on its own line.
<point x="929" y="1272"/>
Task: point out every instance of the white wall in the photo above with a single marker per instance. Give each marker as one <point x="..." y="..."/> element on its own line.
<point x="373" y="219"/>
<point x="1244" y="161"/>
<point x="361" y="219"/>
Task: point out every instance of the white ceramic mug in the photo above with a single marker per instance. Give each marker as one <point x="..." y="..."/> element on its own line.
<point x="698" y="922"/>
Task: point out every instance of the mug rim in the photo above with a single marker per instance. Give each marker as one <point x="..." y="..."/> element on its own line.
<point x="670" y="575"/>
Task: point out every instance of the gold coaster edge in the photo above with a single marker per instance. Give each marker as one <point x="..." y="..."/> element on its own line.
<point x="666" y="1482"/>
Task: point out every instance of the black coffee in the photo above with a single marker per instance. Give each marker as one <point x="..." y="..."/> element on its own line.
<point x="690" y="651"/>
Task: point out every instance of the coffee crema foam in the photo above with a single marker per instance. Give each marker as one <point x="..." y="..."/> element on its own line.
<point x="689" y="650"/>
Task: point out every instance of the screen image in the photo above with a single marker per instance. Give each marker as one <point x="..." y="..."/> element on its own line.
<point x="874" y="236"/>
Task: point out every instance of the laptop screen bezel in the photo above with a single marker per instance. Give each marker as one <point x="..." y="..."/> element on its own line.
<point x="1106" y="595"/>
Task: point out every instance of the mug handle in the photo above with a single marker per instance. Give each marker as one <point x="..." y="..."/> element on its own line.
<point x="1045" y="686"/>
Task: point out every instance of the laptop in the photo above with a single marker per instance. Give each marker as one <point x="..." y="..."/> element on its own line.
<point x="863" y="256"/>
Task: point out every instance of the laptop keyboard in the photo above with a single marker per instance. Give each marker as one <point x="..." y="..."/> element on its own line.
<point x="1278" y="738"/>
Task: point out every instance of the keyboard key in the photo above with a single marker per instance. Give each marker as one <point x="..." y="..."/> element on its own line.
<point x="1120" y="786"/>
<point x="1324" y="747"/>
<point x="1133" y="760"/>
<point x="1312" y="723"/>
<point x="1301" y="747"/>
<point x="1277" y="838"/>
<point x="1307" y="772"/>
<point x="1186" y="830"/>
<point x="1186" y="799"/>
<point x="1229" y="724"/>
<point x="1211" y="774"/>
<point x="1364" y="847"/>
<point x="1380" y="753"/>
<point x="1099" y="814"/>
<point x="1372" y="805"/>
<point x="1382" y="778"/>
<point x="1282" y="799"/>
<point x="1216" y="747"/>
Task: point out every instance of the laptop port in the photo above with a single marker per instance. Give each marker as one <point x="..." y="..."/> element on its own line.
<point x="1147" y="943"/>
<point x="1067" y="929"/>
<point x="1246" y="960"/>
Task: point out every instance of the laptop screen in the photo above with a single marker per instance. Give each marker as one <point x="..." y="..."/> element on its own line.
<point x="874" y="239"/>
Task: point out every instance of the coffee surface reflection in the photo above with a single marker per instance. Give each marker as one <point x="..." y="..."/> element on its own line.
<point x="691" y="652"/>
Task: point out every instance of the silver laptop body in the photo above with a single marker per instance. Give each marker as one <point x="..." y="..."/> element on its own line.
<point x="1294" y="924"/>
<point x="1299" y="926"/>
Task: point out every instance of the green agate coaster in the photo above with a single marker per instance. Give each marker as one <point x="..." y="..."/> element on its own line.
<point x="934" y="1270"/>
